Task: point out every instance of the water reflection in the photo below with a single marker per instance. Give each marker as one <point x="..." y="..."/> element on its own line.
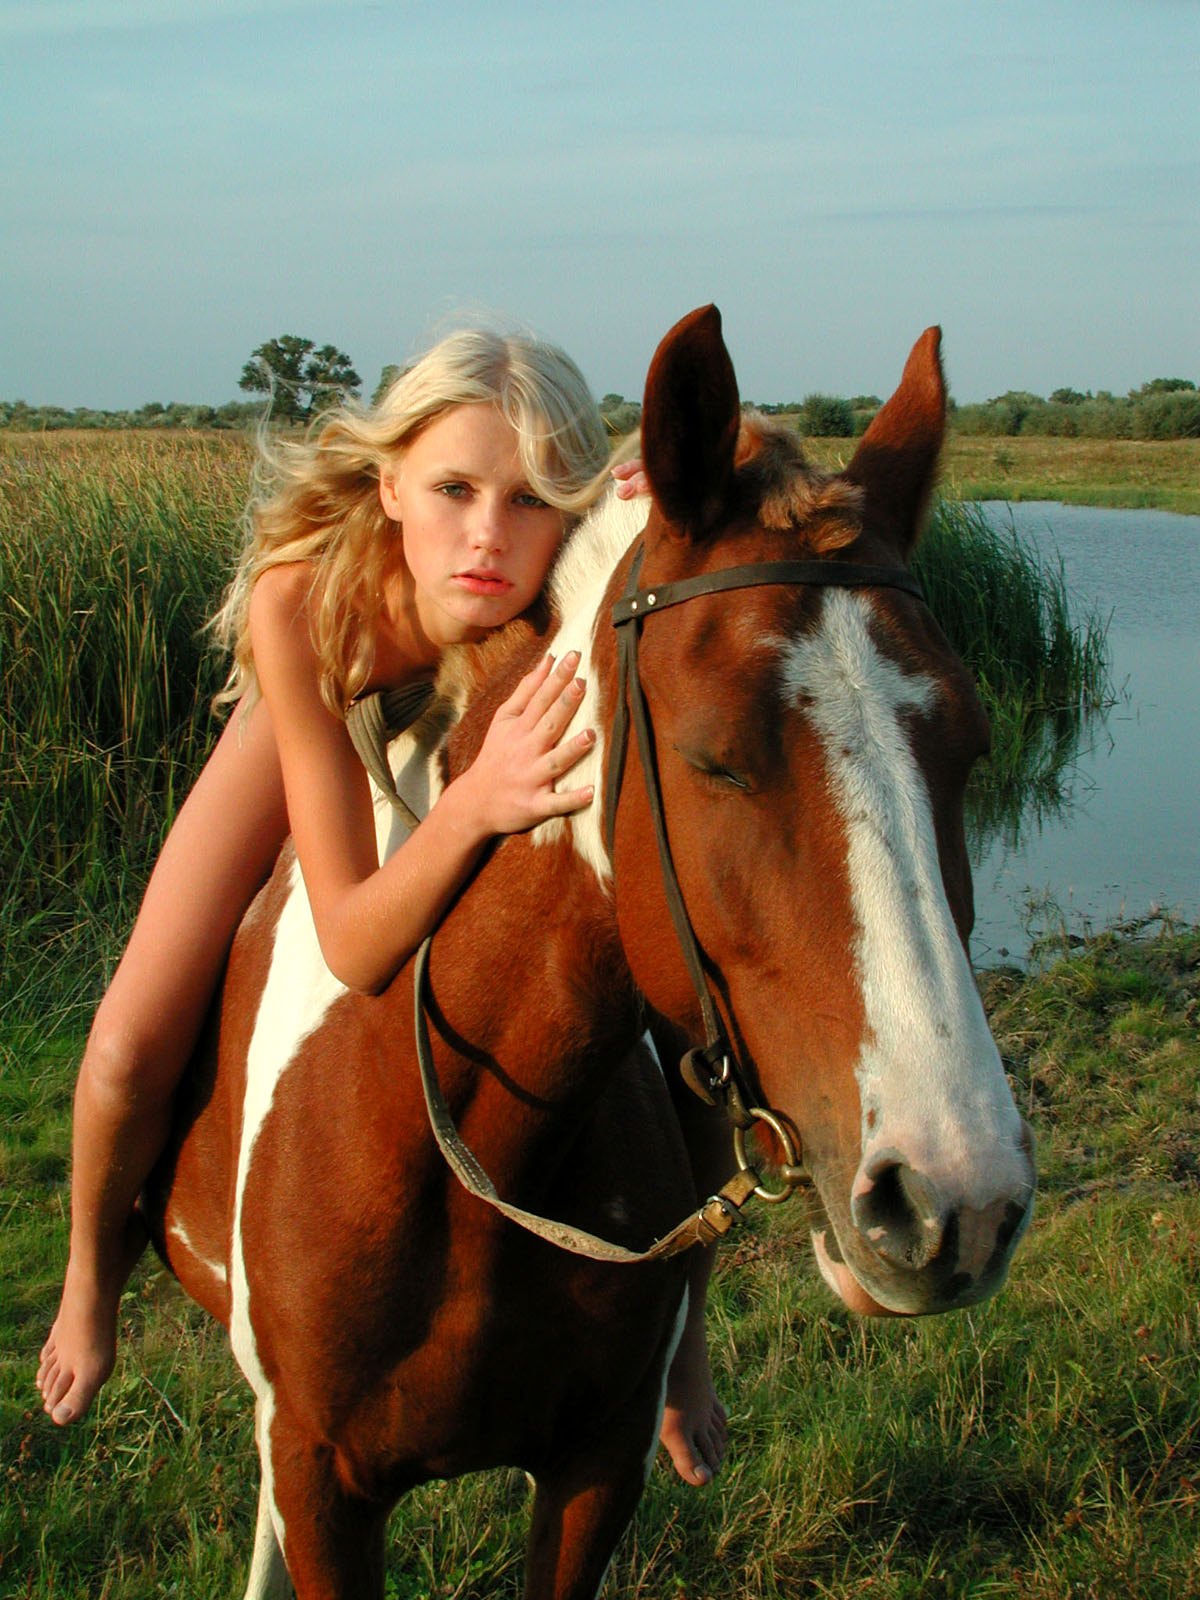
<point x="1097" y="820"/>
<point x="1036" y="785"/>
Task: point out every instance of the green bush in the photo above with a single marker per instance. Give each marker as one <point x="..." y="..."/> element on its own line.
<point x="826" y="416"/>
<point x="1167" y="416"/>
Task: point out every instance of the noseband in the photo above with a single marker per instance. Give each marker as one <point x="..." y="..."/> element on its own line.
<point x="711" y="1070"/>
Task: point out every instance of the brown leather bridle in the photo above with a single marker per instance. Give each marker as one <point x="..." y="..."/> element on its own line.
<point x="711" y="1070"/>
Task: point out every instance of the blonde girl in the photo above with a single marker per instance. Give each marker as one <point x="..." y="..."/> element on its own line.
<point x="396" y="532"/>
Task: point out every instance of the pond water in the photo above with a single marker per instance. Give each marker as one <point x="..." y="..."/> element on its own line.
<point x="1125" y="842"/>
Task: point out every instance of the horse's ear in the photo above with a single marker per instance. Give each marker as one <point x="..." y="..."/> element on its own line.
<point x="896" y="463"/>
<point x="690" y="423"/>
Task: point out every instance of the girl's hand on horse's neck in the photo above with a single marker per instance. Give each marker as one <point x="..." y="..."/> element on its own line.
<point x="510" y="784"/>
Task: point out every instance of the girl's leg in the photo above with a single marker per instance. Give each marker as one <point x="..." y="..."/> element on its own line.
<point x="694" y="1425"/>
<point x="220" y="850"/>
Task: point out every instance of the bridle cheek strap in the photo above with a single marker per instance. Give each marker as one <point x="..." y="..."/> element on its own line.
<point x="711" y="1071"/>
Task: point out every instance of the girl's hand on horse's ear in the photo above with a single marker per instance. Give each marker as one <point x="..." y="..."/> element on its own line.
<point x="631" y="479"/>
<point x="523" y="755"/>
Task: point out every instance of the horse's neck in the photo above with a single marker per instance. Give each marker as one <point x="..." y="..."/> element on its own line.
<point x="590" y="555"/>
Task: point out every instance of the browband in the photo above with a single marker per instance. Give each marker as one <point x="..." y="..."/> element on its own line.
<point x="823" y="574"/>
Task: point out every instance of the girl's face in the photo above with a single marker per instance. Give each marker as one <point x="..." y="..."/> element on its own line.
<point x="478" y="542"/>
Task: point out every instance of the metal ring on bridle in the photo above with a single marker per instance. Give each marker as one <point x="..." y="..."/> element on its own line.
<point x="790" y="1171"/>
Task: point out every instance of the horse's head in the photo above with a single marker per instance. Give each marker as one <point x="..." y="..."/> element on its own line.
<point x="813" y="744"/>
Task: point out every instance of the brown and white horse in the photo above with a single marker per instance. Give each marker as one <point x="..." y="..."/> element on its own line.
<point x="812" y="743"/>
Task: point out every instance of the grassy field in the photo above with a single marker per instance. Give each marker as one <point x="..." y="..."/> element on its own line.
<point x="1041" y="1447"/>
<point x="1155" y="474"/>
<point x="1159" y="475"/>
<point x="1045" y="1445"/>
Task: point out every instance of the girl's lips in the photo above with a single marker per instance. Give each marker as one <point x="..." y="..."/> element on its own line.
<point x="481" y="582"/>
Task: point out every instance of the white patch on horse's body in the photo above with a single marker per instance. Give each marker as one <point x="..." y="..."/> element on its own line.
<point x="217" y="1268"/>
<point x="296" y="996"/>
<point x="576" y="593"/>
<point x="268" y="1578"/>
<point x="298" y="992"/>
<point x="930" y="1078"/>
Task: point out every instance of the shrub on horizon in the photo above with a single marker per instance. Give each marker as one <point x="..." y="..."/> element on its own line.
<point x="826" y="416"/>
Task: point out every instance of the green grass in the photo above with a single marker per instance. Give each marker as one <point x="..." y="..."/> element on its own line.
<point x="1041" y="668"/>
<point x="1044" y="1445"/>
<point x="112" y="555"/>
<point x="1145" y="474"/>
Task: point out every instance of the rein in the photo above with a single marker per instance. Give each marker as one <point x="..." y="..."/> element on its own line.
<point x="710" y="1070"/>
<point x="372" y="721"/>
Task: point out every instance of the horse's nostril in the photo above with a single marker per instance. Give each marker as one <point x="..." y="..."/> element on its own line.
<point x="900" y="1213"/>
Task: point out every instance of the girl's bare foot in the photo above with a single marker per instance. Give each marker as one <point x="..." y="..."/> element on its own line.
<point x="694" y="1426"/>
<point x="79" y="1354"/>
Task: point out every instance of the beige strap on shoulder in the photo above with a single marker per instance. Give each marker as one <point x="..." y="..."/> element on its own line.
<point x="373" y="721"/>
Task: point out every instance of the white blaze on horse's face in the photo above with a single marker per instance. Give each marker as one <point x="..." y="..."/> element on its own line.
<point x="938" y="1121"/>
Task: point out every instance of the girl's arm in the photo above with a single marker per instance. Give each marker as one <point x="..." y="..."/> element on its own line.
<point x="369" y="919"/>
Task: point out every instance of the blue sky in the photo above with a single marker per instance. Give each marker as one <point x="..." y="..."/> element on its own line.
<point x="186" y="178"/>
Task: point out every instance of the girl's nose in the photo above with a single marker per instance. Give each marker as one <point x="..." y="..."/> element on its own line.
<point x="488" y="532"/>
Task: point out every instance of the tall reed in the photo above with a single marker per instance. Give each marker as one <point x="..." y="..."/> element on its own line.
<point x="1041" y="670"/>
<point x="111" y="560"/>
<point x="113" y="553"/>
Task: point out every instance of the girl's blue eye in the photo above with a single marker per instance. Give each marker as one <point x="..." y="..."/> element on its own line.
<point x="452" y="491"/>
<point x="528" y="498"/>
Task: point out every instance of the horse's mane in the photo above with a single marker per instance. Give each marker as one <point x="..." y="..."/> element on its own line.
<point x="781" y="490"/>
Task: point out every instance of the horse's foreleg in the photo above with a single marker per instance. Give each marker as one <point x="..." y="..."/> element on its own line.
<point x="333" y="1541"/>
<point x="575" y="1528"/>
<point x="585" y="1501"/>
<point x="268" y="1574"/>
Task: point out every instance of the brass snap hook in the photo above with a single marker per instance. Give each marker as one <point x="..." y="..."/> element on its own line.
<point x="790" y="1171"/>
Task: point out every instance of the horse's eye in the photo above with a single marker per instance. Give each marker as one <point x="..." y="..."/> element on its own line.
<point x="715" y="770"/>
<point x="724" y="775"/>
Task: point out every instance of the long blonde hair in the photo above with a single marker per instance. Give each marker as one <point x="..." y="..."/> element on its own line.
<point x="317" y="500"/>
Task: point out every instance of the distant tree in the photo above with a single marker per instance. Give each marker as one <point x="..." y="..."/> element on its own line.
<point x="301" y="379"/>
<point x="1010" y="409"/>
<point x="387" y="378"/>
<point x="621" y="416"/>
<point x="1162" y="386"/>
<point x="826" y="416"/>
<point x="1068" y="397"/>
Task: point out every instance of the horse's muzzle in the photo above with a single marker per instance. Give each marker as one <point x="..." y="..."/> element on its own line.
<point x="918" y="1243"/>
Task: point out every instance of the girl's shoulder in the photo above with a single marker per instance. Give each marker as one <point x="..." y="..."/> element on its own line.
<point x="281" y="612"/>
<point x="282" y="593"/>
